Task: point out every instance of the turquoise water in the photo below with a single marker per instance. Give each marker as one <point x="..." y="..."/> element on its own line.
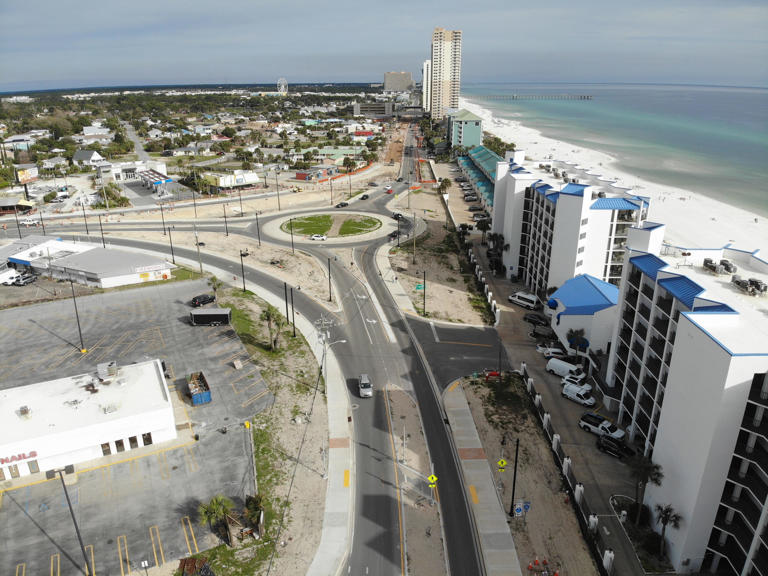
<point x="712" y="140"/>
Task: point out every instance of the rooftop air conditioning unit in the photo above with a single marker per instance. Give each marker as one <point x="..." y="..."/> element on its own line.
<point x="24" y="411"/>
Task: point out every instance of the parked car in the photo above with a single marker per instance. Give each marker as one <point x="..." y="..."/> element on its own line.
<point x="481" y="216"/>
<point x="24" y="279"/>
<point x="365" y="386"/>
<point x="202" y="300"/>
<point x="9" y="276"/>
<point x="470" y="198"/>
<point x="578" y="395"/>
<point x="29" y="222"/>
<point x="550" y="351"/>
<point x="616" y="448"/>
<point x="318" y="237"/>
<point x="524" y="299"/>
<point x="387" y="188"/>
<point x="600" y="425"/>
<point x="342" y="204"/>
<point x="364" y="197"/>
<point x="536" y="319"/>
<point x="394" y="234"/>
<point x="571" y="379"/>
<point x="477" y="208"/>
<point x="400" y="179"/>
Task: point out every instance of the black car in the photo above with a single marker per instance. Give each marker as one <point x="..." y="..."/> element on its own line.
<point x="397" y="216"/>
<point x="342" y="204"/>
<point x="616" y="448"/>
<point x="394" y="234"/>
<point x="364" y="197"/>
<point x="400" y="179"/>
<point x="476" y="208"/>
<point x="202" y="300"/>
<point x="536" y="319"/>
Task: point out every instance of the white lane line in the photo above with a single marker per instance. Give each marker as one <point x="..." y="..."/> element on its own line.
<point x="365" y="324"/>
<point x="434" y="332"/>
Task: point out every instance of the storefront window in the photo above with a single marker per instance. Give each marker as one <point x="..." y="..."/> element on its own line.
<point x="2" y="474"/>
<point x="147" y="438"/>
<point x="14" y="470"/>
<point x="133" y="442"/>
<point x="105" y="449"/>
<point x="120" y="445"/>
<point x="33" y="467"/>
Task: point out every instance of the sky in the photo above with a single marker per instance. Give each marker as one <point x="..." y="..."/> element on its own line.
<point x="48" y="44"/>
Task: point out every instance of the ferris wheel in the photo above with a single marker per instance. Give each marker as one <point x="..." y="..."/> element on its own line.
<point x="282" y="86"/>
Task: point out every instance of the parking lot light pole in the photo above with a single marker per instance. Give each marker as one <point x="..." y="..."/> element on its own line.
<point x="103" y="244"/>
<point x="85" y="220"/>
<point x="258" y="229"/>
<point x="50" y="475"/>
<point x="83" y="350"/>
<point x="242" y="266"/>
<point x="162" y="215"/>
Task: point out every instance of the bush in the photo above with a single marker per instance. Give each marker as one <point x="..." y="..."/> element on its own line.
<point x="50" y="196"/>
<point x="651" y="542"/>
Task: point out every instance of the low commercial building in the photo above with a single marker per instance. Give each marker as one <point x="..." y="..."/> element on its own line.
<point x="373" y="109"/>
<point x="317" y="172"/>
<point x="465" y="129"/>
<point x="86" y="263"/>
<point x="690" y="364"/>
<point x="131" y="171"/>
<point x="237" y="179"/>
<point x="70" y="420"/>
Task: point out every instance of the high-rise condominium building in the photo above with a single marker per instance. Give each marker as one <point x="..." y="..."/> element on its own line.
<point x="426" y="85"/>
<point x="446" y="71"/>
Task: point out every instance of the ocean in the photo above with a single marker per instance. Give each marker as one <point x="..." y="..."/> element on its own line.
<point x="708" y="139"/>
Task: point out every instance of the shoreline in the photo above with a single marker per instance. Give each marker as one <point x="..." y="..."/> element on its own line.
<point x="692" y="219"/>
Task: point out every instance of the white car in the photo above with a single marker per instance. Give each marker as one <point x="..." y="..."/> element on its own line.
<point x="578" y="395"/>
<point x="550" y="351"/>
<point x="318" y="237"/>
<point x="576" y="381"/>
<point x="365" y="386"/>
<point x="387" y="188"/>
<point x="29" y="222"/>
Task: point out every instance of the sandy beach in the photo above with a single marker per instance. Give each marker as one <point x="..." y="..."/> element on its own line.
<point x="692" y="220"/>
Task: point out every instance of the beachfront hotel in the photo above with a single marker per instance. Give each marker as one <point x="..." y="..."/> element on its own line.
<point x="445" y="77"/>
<point x="689" y="362"/>
<point x="426" y="85"/>
<point x="553" y="230"/>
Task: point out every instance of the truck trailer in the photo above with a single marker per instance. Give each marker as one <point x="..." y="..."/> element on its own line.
<point x="210" y="316"/>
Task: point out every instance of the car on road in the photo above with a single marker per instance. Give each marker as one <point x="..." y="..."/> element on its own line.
<point x="364" y="197"/>
<point x="394" y="234"/>
<point x="29" y="222"/>
<point x="477" y="208"/>
<point x="365" y="386"/>
<point x="536" y="319"/>
<point x="24" y="279"/>
<point x="600" y="425"/>
<point x="373" y="184"/>
<point x="481" y="216"/>
<point x="400" y="179"/>
<point x="318" y="237"/>
<point x="202" y="300"/>
<point x="578" y="395"/>
<point x="387" y="188"/>
<point x="550" y="350"/>
<point x="616" y="448"/>
<point x="342" y="205"/>
<point x="397" y="216"/>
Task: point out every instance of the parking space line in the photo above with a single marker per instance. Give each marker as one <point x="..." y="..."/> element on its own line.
<point x="106" y="478"/>
<point x="188" y="526"/>
<point x="255" y="384"/>
<point x="90" y="570"/>
<point x="55" y="564"/>
<point x="243" y="377"/>
<point x="122" y="546"/>
<point x="171" y="373"/>
<point x="346" y="478"/>
<point x="253" y="398"/>
<point x="162" y="459"/>
<point x="135" y="472"/>
<point x="21" y="569"/>
<point x="154" y="534"/>
<point x="190" y="459"/>
<point x="473" y="493"/>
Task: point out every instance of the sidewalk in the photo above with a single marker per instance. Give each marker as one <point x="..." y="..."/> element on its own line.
<point x="498" y="547"/>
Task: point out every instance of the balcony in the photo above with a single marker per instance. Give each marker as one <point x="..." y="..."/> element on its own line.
<point x="634" y="277"/>
<point x="643" y="422"/>
<point x="621" y="368"/>
<point x="637" y="348"/>
<point x="654" y="367"/>
<point x="641" y="330"/>
<point x="665" y="304"/>
<point x="617" y="257"/>
<point x="631" y="386"/>
<point x="615" y="270"/>
<point x="631" y="297"/>
<point x="621" y="229"/>
<point x="758" y="456"/>
<point x="623" y="352"/>
<point x="634" y="368"/>
<point x="661" y="324"/>
<point x="646" y="403"/>
<point x="650" y="386"/>
<point x="672" y="336"/>
<point x="657" y="345"/>
<point x="737" y="528"/>
<point x="749" y="421"/>
<point x="732" y="555"/>
<point x="760" y="560"/>
<point x="745" y="505"/>
<point x="645" y="312"/>
<point x="752" y="480"/>
<point x="648" y="291"/>
<point x="628" y="316"/>
<point x="755" y="391"/>
<point x="626" y="334"/>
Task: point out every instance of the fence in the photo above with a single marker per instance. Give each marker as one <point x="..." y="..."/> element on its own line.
<point x="587" y="521"/>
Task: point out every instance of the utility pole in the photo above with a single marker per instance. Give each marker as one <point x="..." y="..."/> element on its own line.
<point x="277" y="184"/>
<point x="103" y="244"/>
<point x="349" y="175"/>
<point x="242" y="266"/>
<point x="293" y="251"/>
<point x="425" y="293"/>
<point x="258" y="230"/>
<point x="285" y="289"/>
<point x="197" y="245"/>
<point x="77" y="318"/>
<point x="293" y="314"/>
<point x="330" y="294"/>
<point x="84" y="218"/>
<point x="170" y="240"/>
<point x="240" y="197"/>
<point x="18" y="227"/>
<point x="162" y="215"/>
<point x="413" y="233"/>
<point x="42" y="223"/>
<point x="226" y="226"/>
<point x="331" y="183"/>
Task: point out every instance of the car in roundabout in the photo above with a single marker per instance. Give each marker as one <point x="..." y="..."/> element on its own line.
<point x="364" y="197"/>
<point x="342" y="205"/>
<point x="318" y="237"/>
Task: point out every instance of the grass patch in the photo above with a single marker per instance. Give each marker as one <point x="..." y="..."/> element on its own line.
<point x="359" y="225"/>
<point x="308" y="225"/>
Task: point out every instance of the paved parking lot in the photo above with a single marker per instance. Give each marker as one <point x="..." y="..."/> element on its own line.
<point x="140" y="504"/>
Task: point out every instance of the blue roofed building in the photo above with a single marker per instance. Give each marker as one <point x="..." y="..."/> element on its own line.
<point x="584" y="303"/>
<point x="688" y="374"/>
<point x="479" y="167"/>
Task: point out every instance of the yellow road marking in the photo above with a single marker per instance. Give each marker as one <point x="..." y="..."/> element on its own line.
<point x="185" y="527"/>
<point x="397" y="481"/>
<point x="466" y="344"/>
<point x="154" y="534"/>
<point x="90" y="570"/>
<point x="21" y="569"/>
<point x="122" y="546"/>
<point x="55" y="565"/>
<point x="190" y="459"/>
<point x="473" y="493"/>
<point x="346" y="478"/>
<point x="453" y="386"/>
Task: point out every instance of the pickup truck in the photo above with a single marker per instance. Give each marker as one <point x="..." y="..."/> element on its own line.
<point x="600" y="425"/>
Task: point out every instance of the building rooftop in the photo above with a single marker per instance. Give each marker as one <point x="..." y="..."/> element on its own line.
<point x="106" y="262"/>
<point x="465" y="116"/>
<point x="75" y="402"/>
<point x="584" y="295"/>
<point x="737" y="320"/>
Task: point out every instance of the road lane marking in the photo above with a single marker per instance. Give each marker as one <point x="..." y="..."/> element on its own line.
<point x="55" y="564"/>
<point x="467" y="344"/>
<point x="21" y="569"/>
<point x="186" y="526"/>
<point x="473" y="493"/>
<point x="154" y="534"/>
<point x="434" y="332"/>
<point x="122" y="546"/>
<point x="346" y="478"/>
<point x="91" y="570"/>
<point x="452" y="387"/>
<point x="397" y="483"/>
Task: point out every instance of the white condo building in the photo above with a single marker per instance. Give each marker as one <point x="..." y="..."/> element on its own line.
<point x="426" y="85"/>
<point x="556" y="230"/>
<point x="690" y="363"/>
<point x="445" y="85"/>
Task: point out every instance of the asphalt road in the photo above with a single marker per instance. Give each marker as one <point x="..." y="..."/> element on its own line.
<point x="133" y="137"/>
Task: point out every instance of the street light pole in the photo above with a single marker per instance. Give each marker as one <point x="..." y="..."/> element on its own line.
<point x="331" y="183"/>
<point x="291" y="226"/>
<point x="240" y="197"/>
<point x="42" y="223"/>
<point x="162" y="215"/>
<point x="83" y="350"/>
<point x="49" y="475"/>
<point x="425" y="293"/>
<point x="293" y="314"/>
<point x="258" y="229"/>
<point x="18" y="227"/>
<point x="349" y="175"/>
<point x="197" y="245"/>
<point x="242" y="266"/>
<point x="84" y="218"/>
<point x="226" y="226"/>
<point x="330" y="293"/>
<point x="170" y="240"/>
<point x="413" y="233"/>
<point x="277" y="184"/>
<point x="103" y="244"/>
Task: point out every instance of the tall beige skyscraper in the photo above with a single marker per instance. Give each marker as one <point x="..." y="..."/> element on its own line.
<point x="446" y="71"/>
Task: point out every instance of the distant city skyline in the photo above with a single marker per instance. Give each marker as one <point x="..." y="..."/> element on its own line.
<point x="48" y="45"/>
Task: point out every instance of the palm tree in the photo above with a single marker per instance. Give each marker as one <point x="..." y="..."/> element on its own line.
<point x="577" y="340"/>
<point x="643" y="470"/>
<point x="445" y="183"/>
<point x="666" y="515"/>
<point x="215" y="511"/>
<point x="275" y="322"/>
<point x="483" y="225"/>
<point x="215" y="284"/>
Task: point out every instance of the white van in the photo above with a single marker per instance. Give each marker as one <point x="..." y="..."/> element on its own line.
<point x="578" y="394"/>
<point x="525" y="299"/>
<point x="564" y="369"/>
<point x="9" y="276"/>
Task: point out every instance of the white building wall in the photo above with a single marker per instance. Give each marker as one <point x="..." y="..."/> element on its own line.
<point x="598" y="230"/>
<point x="705" y="398"/>
<point x="508" y="202"/>
<point x="564" y="247"/>
<point x="135" y="278"/>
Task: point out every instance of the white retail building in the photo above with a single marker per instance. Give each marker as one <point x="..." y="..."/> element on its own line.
<point x="690" y="364"/>
<point x="80" y="418"/>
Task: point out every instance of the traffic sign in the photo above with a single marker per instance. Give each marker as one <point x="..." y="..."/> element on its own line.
<point x="502" y="464"/>
<point x="419" y="286"/>
<point x="432" y="480"/>
<point x="518" y="509"/>
<point x="526" y="506"/>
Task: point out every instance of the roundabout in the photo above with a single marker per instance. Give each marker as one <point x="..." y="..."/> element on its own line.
<point x="335" y="227"/>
